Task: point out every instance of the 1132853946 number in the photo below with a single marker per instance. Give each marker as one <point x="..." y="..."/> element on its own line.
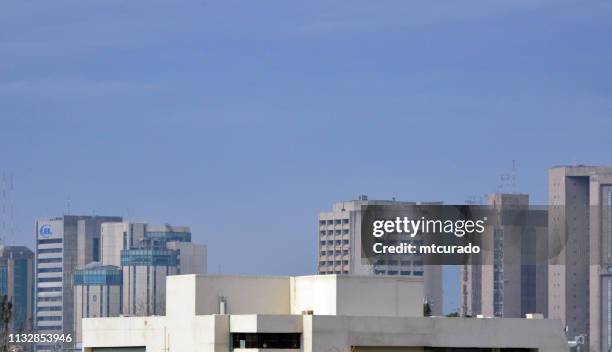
<point x="39" y="338"/>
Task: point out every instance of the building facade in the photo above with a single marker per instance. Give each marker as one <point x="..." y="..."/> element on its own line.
<point x="512" y="279"/>
<point x="97" y="293"/>
<point x="62" y="244"/>
<point x="580" y="242"/>
<point x="339" y="235"/>
<point x="148" y="254"/>
<point x="321" y="313"/>
<point x="17" y="282"/>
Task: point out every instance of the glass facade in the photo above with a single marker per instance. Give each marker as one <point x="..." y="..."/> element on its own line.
<point x="98" y="276"/>
<point x="149" y="257"/>
<point x="168" y="236"/>
<point x="3" y="280"/>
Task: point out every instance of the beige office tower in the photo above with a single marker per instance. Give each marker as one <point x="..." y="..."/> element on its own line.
<point x="97" y="293"/>
<point x="339" y="234"/>
<point x="580" y="249"/>
<point x="148" y="254"/>
<point x="512" y="280"/>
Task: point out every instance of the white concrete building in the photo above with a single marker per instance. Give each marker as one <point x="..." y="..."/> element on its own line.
<point x="323" y="313"/>
<point x="339" y="235"/>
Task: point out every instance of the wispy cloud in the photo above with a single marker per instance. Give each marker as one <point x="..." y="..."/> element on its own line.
<point x="72" y="88"/>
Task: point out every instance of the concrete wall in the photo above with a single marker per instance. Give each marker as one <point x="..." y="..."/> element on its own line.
<point x="371" y="296"/>
<point x="243" y="295"/>
<point x="314" y="293"/>
<point x="337" y="333"/>
<point x="192" y="257"/>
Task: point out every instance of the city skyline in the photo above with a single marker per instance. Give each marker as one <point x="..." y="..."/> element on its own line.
<point x="250" y="126"/>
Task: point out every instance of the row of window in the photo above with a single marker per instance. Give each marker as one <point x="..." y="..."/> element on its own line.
<point x="49" y="279"/>
<point x="50" y="240"/>
<point x="50" y="318"/>
<point x="49" y="289"/>
<point x="337" y="272"/>
<point x="399" y="272"/>
<point x="49" y="328"/>
<point x="343" y="252"/>
<point x="399" y="262"/>
<point x="332" y="222"/>
<point x="49" y="270"/>
<point x="331" y="232"/>
<point x="49" y="260"/>
<point x="50" y="309"/>
<point x="49" y="250"/>
<point x="49" y="299"/>
<point x="331" y="243"/>
<point x="331" y="262"/>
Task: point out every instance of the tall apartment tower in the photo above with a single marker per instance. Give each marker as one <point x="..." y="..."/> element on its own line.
<point x="339" y="234"/>
<point x="512" y="278"/>
<point x="62" y="244"/>
<point x="17" y="282"/>
<point x="580" y="250"/>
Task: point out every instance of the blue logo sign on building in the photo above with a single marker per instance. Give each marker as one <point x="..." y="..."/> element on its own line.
<point x="45" y="231"/>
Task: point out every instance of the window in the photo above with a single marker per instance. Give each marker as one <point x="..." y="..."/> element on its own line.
<point x="403" y="272"/>
<point x="49" y="260"/>
<point x="50" y="240"/>
<point x="345" y="221"/>
<point x="47" y="328"/>
<point x="266" y="340"/>
<point x="49" y="289"/>
<point x="49" y="299"/>
<point x="96" y="250"/>
<point x="392" y="272"/>
<point x="345" y="241"/>
<point x="50" y="309"/>
<point x="418" y="273"/>
<point x="49" y="279"/>
<point x="49" y="270"/>
<point x="338" y="221"/>
<point x="51" y="318"/>
<point x="49" y="250"/>
<point x="345" y="231"/>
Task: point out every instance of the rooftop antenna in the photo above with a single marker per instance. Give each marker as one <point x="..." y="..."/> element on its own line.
<point x="507" y="180"/>
<point x="3" y="201"/>
<point x="68" y="205"/>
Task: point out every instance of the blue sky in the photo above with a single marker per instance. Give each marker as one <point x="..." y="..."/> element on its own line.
<point x="245" y="119"/>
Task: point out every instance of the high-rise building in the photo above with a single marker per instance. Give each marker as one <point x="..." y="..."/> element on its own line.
<point x="511" y="279"/>
<point x="17" y="282"/>
<point x="62" y="244"/>
<point x="339" y="234"/>
<point x="97" y="293"/>
<point x="146" y="255"/>
<point x="580" y="249"/>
